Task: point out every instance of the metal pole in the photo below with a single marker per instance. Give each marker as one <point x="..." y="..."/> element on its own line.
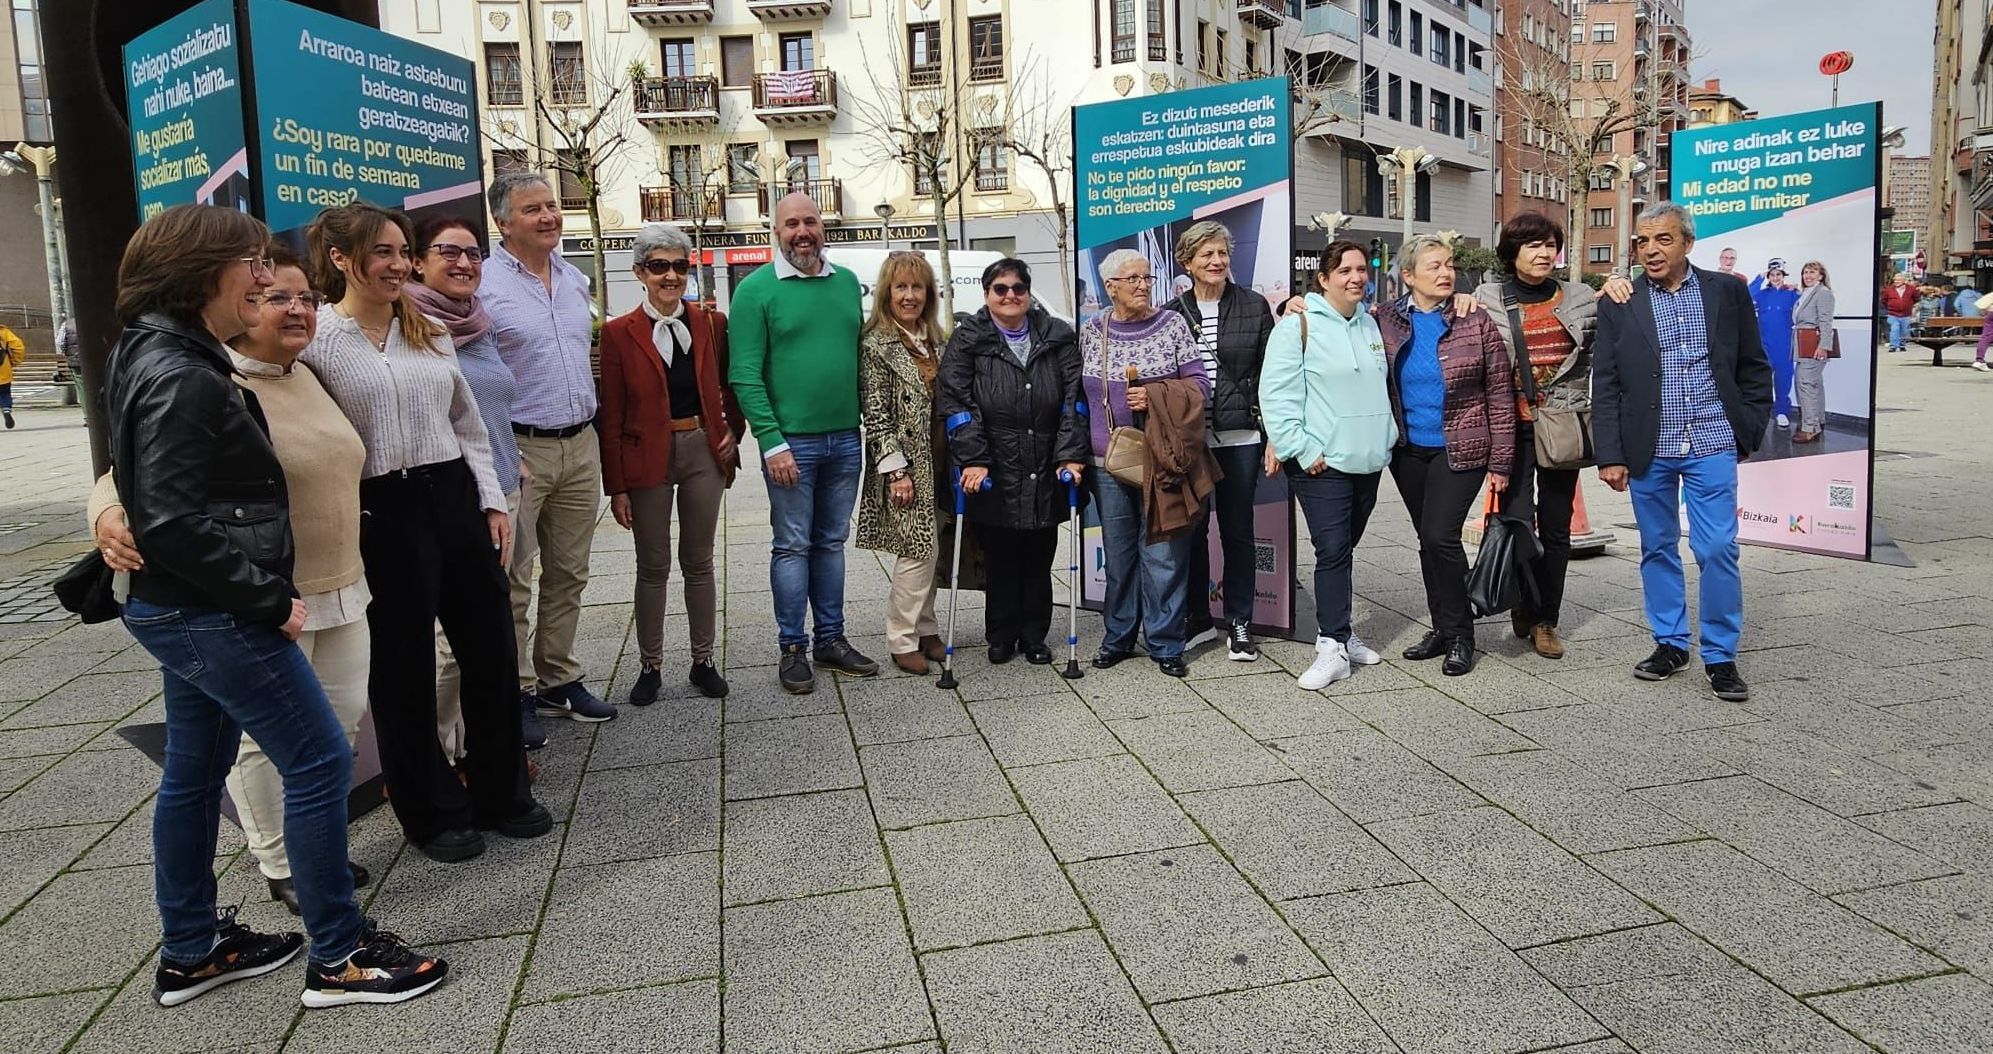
<point x="58" y="303"/>
<point x="1625" y="252"/>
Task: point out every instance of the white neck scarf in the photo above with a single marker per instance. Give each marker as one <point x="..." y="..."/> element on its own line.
<point x="668" y="331"/>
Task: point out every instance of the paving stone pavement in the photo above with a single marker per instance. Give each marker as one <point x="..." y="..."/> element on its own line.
<point x="1541" y="856"/>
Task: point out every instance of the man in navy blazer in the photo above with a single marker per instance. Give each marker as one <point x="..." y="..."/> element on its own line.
<point x="1681" y="393"/>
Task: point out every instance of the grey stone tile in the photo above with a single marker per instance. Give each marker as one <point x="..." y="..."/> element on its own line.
<point x="670" y="1019"/>
<point x="1949" y="916"/>
<point x="46" y="1024"/>
<point x="1938" y="1015"/>
<point x="426" y="901"/>
<point x="1102" y="807"/>
<point x="103" y="922"/>
<point x="830" y="973"/>
<point x="52" y="739"/>
<point x="1433" y="726"/>
<point x="1955" y="770"/>
<point x="1499" y="687"/>
<point x="91" y="698"/>
<point x="1306" y="1017"/>
<point x="626" y="814"/>
<point x="1198" y="751"/>
<point x="35" y="856"/>
<point x="763" y="699"/>
<point x="1372" y="778"/>
<point x="1570" y="805"/>
<point x="1515" y="882"/>
<point x="1058" y="994"/>
<point x="1810" y="768"/>
<point x="1289" y="840"/>
<point x="1801" y="941"/>
<point x="1017" y="679"/>
<point x="801" y="844"/>
<point x="30" y="676"/>
<point x="252" y="1012"/>
<point x="789" y="757"/>
<point x="1183" y="923"/>
<point x="1660" y="951"/>
<point x="903" y="709"/>
<point x="93" y="786"/>
<point x="464" y="1013"/>
<point x="1133" y="689"/>
<point x="130" y="842"/>
<point x="1272" y="706"/>
<point x="16" y="772"/>
<point x="1617" y="745"/>
<point x="666" y="731"/>
<point x="981" y="880"/>
<point x="1819" y="849"/>
<point x="1040" y="729"/>
<point x="1435" y="981"/>
<point x="631" y="923"/>
<point x="1959" y="834"/>
<point x="932" y="780"/>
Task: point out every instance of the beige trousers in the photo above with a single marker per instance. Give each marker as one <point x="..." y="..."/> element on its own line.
<point x="339" y="657"/>
<point x="910" y="605"/>
<point x="561" y="508"/>
<point x="698" y="488"/>
<point x="449" y="679"/>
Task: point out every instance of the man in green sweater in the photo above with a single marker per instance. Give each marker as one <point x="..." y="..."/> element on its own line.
<point x="794" y="337"/>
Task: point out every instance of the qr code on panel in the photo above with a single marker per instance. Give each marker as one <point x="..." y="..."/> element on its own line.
<point x="1264" y="561"/>
<point x="1841" y="496"/>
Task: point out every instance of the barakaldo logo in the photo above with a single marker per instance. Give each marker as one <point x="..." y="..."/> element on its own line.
<point x="1750" y="516"/>
<point x="1834" y="527"/>
<point x="1795" y="525"/>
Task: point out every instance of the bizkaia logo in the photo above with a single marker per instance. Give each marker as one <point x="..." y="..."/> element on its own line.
<point x="1795" y="525"/>
<point x="1753" y="516"/>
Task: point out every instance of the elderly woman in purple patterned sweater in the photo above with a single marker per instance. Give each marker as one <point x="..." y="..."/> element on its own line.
<point x="1147" y="584"/>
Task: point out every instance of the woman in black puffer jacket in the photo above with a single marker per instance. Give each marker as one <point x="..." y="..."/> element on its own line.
<point x="1231" y="323"/>
<point x="1009" y="381"/>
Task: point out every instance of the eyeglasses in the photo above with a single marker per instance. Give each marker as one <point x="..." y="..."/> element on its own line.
<point x="1137" y="279"/>
<point x="1008" y="289"/>
<point x="453" y="253"/>
<point x="259" y="263"/>
<point x="284" y="301"/>
<point x="661" y="267"/>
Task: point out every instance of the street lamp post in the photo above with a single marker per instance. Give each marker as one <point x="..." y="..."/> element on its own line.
<point x="1624" y="168"/>
<point x="884" y="210"/>
<point x="42" y="160"/>
<point x="1405" y="163"/>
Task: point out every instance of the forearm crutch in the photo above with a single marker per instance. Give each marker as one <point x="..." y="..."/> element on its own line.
<point x="1072" y="671"/>
<point x="947" y="680"/>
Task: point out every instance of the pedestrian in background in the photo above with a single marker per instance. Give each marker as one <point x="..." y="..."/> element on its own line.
<point x="1813" y="343"/>
<point x="1899" y="303"/>
<point x="12" y="354"/>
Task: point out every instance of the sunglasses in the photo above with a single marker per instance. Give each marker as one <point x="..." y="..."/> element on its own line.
<point x="1007" y="289"/>
<point x="283" y="301"/>
<point x="453" y="253"/>
<point x="662" y="267"/>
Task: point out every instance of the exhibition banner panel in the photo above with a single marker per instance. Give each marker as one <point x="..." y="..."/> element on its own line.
<point x="1145" y="170"/>
<point x="346" y="113"/>
<point x="1772" y="197"/>
<point x="183" y="90"/>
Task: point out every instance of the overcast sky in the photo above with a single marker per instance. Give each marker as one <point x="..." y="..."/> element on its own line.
<point x="1767" y="53"/>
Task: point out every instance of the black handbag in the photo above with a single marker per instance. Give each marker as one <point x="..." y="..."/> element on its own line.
<point x="85" y="589"/>
<point x="1500" y="569"/>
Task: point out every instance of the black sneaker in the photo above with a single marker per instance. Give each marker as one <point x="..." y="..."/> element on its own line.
<point x="1726" y="682"/>
<point x="530" y="822"/>
<point x="530" y="729"/>
<point x="798" y="677"/>
<point x="644" y="692"/>
<point x="1430" y="646"/>
<point x="239" y="954"/>
<point x="575" y="702"/>
<point x="707" y="679"/>
<point x="1663" y="664"/>
<point x="1240" y="645"/>
<point x="383" y="969"/>
<point x="838" y="654"/>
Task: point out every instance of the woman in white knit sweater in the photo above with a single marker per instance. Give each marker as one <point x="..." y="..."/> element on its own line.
<point x="434" y="535"/>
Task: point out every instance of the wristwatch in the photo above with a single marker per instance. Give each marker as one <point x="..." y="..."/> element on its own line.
<point x="896" y="475"/>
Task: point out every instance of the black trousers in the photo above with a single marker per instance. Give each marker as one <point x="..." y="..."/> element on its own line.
<point x="428" y="554"/>
<point x="1232" y="507"/>
<point x="1438" y="499"/>
<point x="1549" y="494"/>
<point x="1017" y="568"/>
<point x="1337" y="506"/>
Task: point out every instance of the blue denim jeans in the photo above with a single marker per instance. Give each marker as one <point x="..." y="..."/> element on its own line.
<point x="1899" y="331"/>
<point x="224" y="679"/>
<point x="1147" y="585"/>
<point x="1708" y="487"/>
<point x="811" y="521"/>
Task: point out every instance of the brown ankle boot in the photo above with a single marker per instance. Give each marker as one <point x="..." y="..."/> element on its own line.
<point x="932" y="647"/>
<point x="912" y="662"/>
<point x="1547" y="643"/>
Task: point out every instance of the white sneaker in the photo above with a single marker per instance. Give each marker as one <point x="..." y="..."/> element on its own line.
<point x="1360" y="653"/>
<point x="1784" y="421"/>
<point x="1206" y="636"/>
<point x="1980" y="365"/>
<point x="1331" y="665"/>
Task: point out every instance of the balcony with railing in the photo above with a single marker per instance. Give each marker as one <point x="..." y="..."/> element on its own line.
<point x="674" y="205"/>
<point x="827" y="193"/>
<point x="1480" y="20"/>
<point x="671" y="12"/>
<point x="1479" y="82"/>
<point x="1328" y="18"/>
<point x="1262" y="14"/>
<point x="1982" y="179"/>
<point x="676" y="100"/>
<point x="795" y="97"/>
<point x="788" y="10"/>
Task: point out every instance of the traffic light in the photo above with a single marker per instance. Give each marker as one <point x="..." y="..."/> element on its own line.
<point x="1376" y="252"/>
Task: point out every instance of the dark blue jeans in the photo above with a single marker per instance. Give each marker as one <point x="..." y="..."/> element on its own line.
<point x="1145" y="583"/>
<point x="811" y="521"/>
<point x="224" y="679"/>
<point x="1232" y="508"/>
<point x="1337" y="506"/>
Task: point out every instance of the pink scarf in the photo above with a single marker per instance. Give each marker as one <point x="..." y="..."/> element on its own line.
<point x="466" y="319"/>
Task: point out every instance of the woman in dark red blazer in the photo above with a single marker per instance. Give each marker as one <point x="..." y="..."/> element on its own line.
<point x="670" y="430"/>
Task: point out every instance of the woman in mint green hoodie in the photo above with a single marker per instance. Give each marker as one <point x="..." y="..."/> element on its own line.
<point x="1326" y="404"/>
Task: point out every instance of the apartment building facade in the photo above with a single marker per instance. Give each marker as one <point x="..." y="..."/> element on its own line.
<point x="24" y="118"/>
<point x="1630" y="82"/>
<point x="1907" y="193"/>
<point x="1533" y="50"/>
<point x="1961" y="179"/>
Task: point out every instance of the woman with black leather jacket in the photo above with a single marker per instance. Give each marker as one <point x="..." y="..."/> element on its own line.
<point x="214" y="604"/>
<point x="1231" y="324"/>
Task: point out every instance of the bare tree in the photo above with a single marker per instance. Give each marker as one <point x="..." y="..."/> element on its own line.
<point x="1576" y="122"/>
<point x="584" y="120"/>
<point x="1042" y="133"/>
<point x="696" y="165"/>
